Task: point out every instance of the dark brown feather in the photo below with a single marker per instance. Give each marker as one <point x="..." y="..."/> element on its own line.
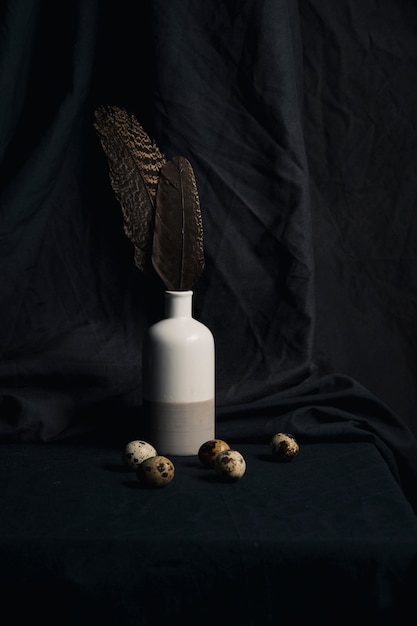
<point x="134" y="162"/>
<point x="178" y="253"/>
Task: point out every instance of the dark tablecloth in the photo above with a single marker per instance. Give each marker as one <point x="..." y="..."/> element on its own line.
<point x="328" y="538"/>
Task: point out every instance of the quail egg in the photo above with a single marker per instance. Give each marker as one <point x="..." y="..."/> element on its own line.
<point x="210" y="449"/>
<point x="284" y="447"/>
<point x="230" y="465"/>
<point x="136" y="452"/>
<point x="156" y="471"/>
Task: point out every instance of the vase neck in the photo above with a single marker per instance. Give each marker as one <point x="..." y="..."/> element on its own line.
<point x="178" y="303"/>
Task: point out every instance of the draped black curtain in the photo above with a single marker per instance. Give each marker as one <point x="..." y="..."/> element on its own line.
<point x="360" y="118"/>
<point x="300" y="121"/>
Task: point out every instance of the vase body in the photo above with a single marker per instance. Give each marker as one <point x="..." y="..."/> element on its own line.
<point x="179" y="379"/>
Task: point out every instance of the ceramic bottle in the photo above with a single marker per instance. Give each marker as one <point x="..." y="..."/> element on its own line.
<point x="179" y="379"/>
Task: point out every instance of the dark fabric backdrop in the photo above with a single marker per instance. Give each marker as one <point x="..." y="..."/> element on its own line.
<point x="300" y="122"/>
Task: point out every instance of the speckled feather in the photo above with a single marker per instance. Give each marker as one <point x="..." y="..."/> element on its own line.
<point x="135" y="162"/>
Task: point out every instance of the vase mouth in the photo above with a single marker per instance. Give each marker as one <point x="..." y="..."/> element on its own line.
<point x="179" y="292"/>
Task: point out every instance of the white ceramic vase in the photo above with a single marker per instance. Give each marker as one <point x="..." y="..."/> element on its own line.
<point x="179" y="379"/>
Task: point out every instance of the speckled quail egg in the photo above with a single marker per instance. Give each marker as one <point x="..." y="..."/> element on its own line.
<point x="284" y="447"/>
<point x="136" y="452"/>
<point x="210" y="449"/>
<point x="230" y="465"/>
<point x="156" y="471"/>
